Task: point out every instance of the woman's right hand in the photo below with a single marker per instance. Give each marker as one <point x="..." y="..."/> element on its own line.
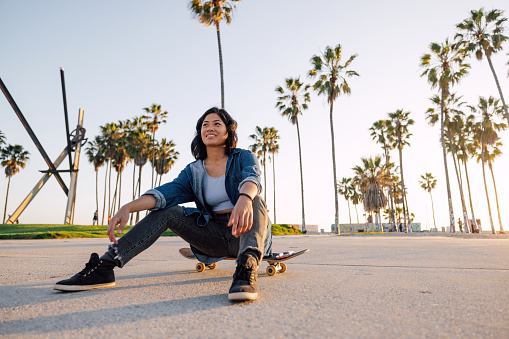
<point x="120" y="218"/>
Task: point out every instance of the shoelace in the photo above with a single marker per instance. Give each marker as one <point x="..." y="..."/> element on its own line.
<point x="89" y="267"/>
<point x="243" y="273"/>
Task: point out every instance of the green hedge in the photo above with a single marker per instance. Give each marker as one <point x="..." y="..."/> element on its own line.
<point x="284" y="229"/>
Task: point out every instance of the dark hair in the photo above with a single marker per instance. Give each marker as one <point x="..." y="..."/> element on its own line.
<point x="199" y="149"/>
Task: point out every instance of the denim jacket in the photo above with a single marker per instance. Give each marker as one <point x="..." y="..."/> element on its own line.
<point x="241" y="166"/>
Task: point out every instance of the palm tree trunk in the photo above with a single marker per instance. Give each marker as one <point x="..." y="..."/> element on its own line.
<point x="220" y="62"/>
<point x="498" y="85"/>
<point x="109" y="193"/>
<point x="97" y="191"/>
<point x="264" y="180"/>
<point x="403" y="195"/>
<point x="357" y="213"/>
<point x="496" y="196"/>
<point x="105" y="190"/>
<point x="113" y="203"/>
<point x="134" y="191"/>
<point x="139" y="193"/>
<point x="389" y="186"/>
<point x="449" y="199"/>
<point x="433" y="209"/>
<point x="349" y="215"/>
<point x="301" y="176"/>
<point x="336" y="215"/>
<point x="486" y="190"/>
<point x="460" y="185"/>
<point x="119" y="190"/>
<point x="6" y="198"/>
<point x="274" y="181"/>
<point x="153" y="159"/>
<point x="474" y="224"/>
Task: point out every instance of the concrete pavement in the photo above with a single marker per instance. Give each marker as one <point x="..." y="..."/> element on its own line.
<point x="358" y="286"/>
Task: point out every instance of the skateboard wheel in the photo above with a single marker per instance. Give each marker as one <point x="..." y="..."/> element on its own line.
<point x="271" y="270"/>
<point x="200" y="267"/>
<point x="211" y="266"/>
<point x="283" y="267"/>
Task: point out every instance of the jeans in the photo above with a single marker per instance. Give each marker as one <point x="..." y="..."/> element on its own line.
<point x="210" y="243"/>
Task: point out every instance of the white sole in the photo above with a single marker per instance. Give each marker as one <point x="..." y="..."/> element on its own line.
<point x="81" y="287"/>
<point x="242" y="296"/>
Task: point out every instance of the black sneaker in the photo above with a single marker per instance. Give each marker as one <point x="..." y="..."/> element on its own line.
<point x="244" y="286"/>
<point x="96" y="274"/>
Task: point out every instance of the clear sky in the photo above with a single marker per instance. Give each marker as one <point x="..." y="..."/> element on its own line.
<point x="121" y="56"/>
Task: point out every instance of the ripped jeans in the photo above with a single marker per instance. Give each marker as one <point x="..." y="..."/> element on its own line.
<point x="209" y="243"/>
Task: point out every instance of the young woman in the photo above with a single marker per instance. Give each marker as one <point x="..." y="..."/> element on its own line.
<point x="230" y="218"/>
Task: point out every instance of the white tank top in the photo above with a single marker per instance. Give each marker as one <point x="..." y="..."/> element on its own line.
<point x="214" y="192"/>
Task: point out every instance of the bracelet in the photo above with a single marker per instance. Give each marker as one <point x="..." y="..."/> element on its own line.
<point x="247" y="195"/>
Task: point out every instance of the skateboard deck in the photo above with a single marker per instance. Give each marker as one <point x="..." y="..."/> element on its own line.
<point x="276" y="263"/>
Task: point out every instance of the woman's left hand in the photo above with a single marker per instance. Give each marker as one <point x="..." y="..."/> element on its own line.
<point x="241" y="219"/>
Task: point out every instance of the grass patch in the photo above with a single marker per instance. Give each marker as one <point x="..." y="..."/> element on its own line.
<point x="49" y="231"/>
<point x="284" y="229"/>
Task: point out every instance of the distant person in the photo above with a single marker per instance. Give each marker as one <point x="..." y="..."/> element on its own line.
<point x="460" y="224"/>
<point x="231" y="217"/>
<point x="95" y="218"/>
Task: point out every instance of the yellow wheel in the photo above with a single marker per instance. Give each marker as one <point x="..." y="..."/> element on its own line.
<point x="283" y="267"/>
<point x="200" y="267"/>
<point x="271" y="270"/>
<point x="211" y="266"/>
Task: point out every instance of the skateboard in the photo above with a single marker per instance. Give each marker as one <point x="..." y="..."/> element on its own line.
<point x="275" y="261"/>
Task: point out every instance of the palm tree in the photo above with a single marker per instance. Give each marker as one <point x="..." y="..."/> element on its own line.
<point x="139" y="144"/>
<point x="372" y="176"/>
<point x="332" y="82"/>
<point x="429" y="183"/>
<point x="453" y="117"/>
<point x="109" y="133"/>
<point x="399" y="135"/>
<point x="291" y="102"/>
<point x="482" y="33"/>
<point x="345" y="189"/>
<point x="96" y="157"/>
<point x="493" y="152"/>
<point x="13" y="158"/>
<point x="273" y="148"/>
<point x="155" y="118"/>
<point x="166" y="155"/>
<point x="260" y="148"/>
<point x="444" y="67"/>
<point x="379" y="133"/>
<point x="486" y="135"/>
<point x="212" y="13"/>
<point x="356" y="198"/>
<point x="2" y="139"/>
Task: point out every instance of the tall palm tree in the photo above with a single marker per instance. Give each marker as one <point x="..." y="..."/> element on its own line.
<point x="155" y="118"/>
<point x="379" y="134"/>
<point x="14" y="157"/>
<point x="96" y="157"/>
<point x="482" y="33"/>
<point x="486" y="135"/>
<point x="291" y="102"/>
<point x="493" y="152"/>
<point x="109" y="133"/>
<point x="345" y="189"/>
<point x="273" y="148"/>
<point x="453" y="117"/>
<point x="428" y="183"/>
<point x="372" y="176"/>
<point x="140" y="142"/>
<point x="444" y="67"/>
<point x="166" y="155"/>
<point x="212" y="13"/>
<point x="260" y="148"/>
<point x="332" y="83"/>
<point x="399" y="135"/>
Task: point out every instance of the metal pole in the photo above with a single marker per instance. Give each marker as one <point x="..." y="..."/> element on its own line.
<point x="32" y="135"/>
<point x="35" y="190"/>
<point x="71" y="197"/>
<point x="67" y="135"/>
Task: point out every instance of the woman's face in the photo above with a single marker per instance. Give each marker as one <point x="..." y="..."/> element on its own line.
<point x="213" y="131"/>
